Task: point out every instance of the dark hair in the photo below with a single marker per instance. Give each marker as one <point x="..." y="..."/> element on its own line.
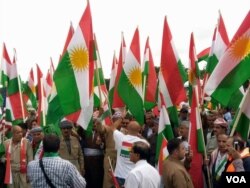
<point x="23" y="125"/>
<point x="128" y="116"/>
<point x="184" y="110"/>
<point x="142" y="148"/>
<point x="173" y="144"/>
<point x="51" y="143"/>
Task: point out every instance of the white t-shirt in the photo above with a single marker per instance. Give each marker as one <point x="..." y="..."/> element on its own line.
<point x="143" y="175"/>
<point x="123" y="144"/>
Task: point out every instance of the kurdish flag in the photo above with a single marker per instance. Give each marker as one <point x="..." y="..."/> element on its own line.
<point x="74" y="75"/>
<point x="5" y="67"/>
<point x="194" y="72"/>
<point x="164" y="131"/>
<point x="196" y="141"/>
<point x="164" y="98"/>
<point x="100" y="89"/>
<point x="68" y="39"/>
<point x="149" y="79"/>
<point x="171" y="67"/>
<point x="10" y="80"/>
<point x="117" y="101"/>
<point x="112" y="80"/>
<point x="243" y="125"/>
<point x="130" y="83"/>
<point x="163" y="154"/>
<point x="29" y="90"/>
<point x="55" y="112"/>
<point x="126" y="148"/>
<point x="232" y="69"/>
<point x="203" y="55"/>
<point x="219" y="45"/>
<point x="42" y="100"/>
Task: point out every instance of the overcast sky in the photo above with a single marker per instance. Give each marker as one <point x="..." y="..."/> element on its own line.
<point x="38" y="28"/>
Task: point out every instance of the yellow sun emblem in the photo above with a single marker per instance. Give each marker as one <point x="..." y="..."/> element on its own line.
<point x="79" y="58"/>
<point x="33" y="89"/>
<point x="135" y="76"/>
<point x="241" y="47"/>
<point x="191" y="77"/>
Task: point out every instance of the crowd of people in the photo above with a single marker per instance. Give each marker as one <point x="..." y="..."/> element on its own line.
<point x="122" y="154"/>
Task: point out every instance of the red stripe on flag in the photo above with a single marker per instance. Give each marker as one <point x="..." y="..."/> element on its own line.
<point x="127" y="144"/>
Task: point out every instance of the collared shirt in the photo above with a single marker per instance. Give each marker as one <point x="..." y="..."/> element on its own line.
<point x="61" y="173"/>
<point x="143" y="175"/>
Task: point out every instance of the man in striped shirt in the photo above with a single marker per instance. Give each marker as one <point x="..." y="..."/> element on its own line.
<point x="60" y="172"/>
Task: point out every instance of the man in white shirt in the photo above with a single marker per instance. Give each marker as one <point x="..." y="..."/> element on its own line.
<point x="123" y="144"/>
<point x="143" y="175"/>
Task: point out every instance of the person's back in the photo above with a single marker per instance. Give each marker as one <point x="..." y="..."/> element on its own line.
<point x="60" y="172"/>
<point x="143" y="175"/>
<point x="150" y="176"/>
<point x="123" y="145"/>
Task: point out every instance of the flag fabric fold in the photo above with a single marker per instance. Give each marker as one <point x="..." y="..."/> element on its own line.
<point x="230" y="73"/>
<point x="74" y="75"/>
<point x="131" y="81"/>
<point x="149" y="79"/>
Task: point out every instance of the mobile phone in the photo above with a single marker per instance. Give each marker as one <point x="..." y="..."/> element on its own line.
<point x="236" y="145"/>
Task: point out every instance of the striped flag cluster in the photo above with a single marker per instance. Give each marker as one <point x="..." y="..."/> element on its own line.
<point x="77" y="85"/>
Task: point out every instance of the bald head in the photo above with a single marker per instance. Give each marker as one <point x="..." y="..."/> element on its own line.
<point x="133" y="128"/>
<point x="16" y="128"/>
<point x="17" y="133"/>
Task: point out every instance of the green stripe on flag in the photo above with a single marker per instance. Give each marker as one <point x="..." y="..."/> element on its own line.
<point x="13" y="86"/>
<point x="111" y="96"/>
<point x="64" y="77"/>
<point x="168" y="132"/>
<point x="232" y="82"/>
<point x="146" y="68"/>
<point x="101" y="77"/>
<point x="4" y="79"/>
<point x="243" y="126"/>
<point x="96" y="101"/>
<point x="125" y="152"/>
<point x="173" y="116"/>
<point x="29" y="93"/>
<point x="54" y="113"/>
<point x="200" y="138"/>
<point x="211" y="64"/>
<point x="131" y="98"/>
<point x="183" y="72"/>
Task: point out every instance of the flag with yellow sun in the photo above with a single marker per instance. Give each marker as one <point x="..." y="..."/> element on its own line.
<point x="74" y="75"/>
<point x="233" y="68"/>
<point x="130" y="83"/>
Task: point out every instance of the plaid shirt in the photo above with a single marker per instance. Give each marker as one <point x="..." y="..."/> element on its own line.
<point x="61" y="173"/>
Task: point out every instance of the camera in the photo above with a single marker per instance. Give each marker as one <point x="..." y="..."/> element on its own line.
<point x="236" y="145"/>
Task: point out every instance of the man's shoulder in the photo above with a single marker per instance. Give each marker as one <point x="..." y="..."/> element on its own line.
<point x="33" y="163"/>
<point x="55" y="160"/>
<point x="65" y="162"/>
<point x="7" y="141"/>
<point x="135" y="138"/>
<point x="172" y="163"/>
